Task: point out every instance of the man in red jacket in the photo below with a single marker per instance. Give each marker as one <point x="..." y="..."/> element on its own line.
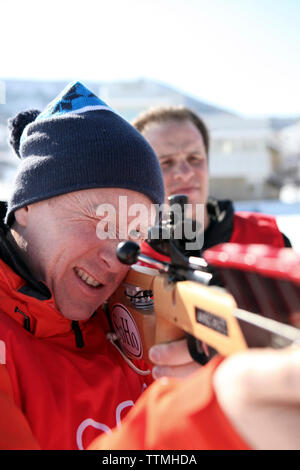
<point x="181" y="141"/>
<point x="62" y="380"/>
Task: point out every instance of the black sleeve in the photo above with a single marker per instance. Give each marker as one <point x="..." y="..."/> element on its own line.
<point x="3" y="208"/>
<point x="286" y="240"/>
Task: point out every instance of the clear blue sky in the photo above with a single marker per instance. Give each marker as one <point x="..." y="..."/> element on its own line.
<point x="243" y="55"/>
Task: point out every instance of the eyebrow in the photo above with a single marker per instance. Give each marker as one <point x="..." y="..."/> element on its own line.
<point x="168" y="155"/>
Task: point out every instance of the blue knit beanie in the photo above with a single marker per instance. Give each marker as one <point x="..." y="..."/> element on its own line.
<point x="78" y="142"/>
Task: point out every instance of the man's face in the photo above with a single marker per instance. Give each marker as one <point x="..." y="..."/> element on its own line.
<point x="68" y="251"/>
<point x="182" y="155"/>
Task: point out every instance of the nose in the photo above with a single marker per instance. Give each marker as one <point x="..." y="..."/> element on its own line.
<point x="183" y="171"/>
<point x="107" y="254"/>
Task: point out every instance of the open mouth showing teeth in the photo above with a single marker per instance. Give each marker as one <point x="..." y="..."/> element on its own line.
<point x="88" y="280"/>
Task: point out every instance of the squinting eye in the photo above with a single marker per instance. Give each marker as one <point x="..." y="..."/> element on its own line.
<point x="166" y="163"/>
<point x="196" y="160"/>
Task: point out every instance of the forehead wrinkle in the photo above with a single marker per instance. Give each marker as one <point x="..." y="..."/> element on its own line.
<point x="85" y="203"/>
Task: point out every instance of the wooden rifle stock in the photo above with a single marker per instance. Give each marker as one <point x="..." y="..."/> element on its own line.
<point x="152" y="306"/>
<point x="147" y="309"/>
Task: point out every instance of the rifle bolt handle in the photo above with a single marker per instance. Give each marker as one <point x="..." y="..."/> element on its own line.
<point x="128" y="252"/>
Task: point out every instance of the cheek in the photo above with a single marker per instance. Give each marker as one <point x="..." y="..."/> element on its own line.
<point x="80" y="238"/>
<point x="115" y="281"/>
<point x="168" y="177"/>
<point x="64" y="251"/>
<point x="122" y="273"/>
<point x="202" y="174"/>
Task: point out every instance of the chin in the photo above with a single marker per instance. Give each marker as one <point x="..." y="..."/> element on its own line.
<point x="75" y="314"/>
<point x="79" y="317"/>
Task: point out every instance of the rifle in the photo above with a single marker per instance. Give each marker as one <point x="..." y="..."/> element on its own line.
<point x="258" y="305"/>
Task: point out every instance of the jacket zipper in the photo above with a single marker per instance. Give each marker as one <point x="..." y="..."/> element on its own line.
<point x="26" y="323"/>
<point x="78" y="334"/>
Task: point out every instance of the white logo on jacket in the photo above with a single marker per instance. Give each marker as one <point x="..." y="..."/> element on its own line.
<point x="101" y="426"/>
<point x="2" y="352"/>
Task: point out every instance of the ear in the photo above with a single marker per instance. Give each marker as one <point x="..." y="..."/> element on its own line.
<point x="21" y="216"/>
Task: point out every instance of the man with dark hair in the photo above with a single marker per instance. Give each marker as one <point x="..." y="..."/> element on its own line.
<point x="180" y="139"/>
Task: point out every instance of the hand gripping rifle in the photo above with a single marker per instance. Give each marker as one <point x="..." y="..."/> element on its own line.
<point x="260" y="306"/>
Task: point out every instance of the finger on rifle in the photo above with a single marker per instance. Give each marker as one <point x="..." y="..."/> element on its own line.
<point x="174" y="353"/>
<point x="175" y="371"/>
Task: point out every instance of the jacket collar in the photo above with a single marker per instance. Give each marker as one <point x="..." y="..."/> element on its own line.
<point x="218" y="231"/>
<point x="10" y="255"/>
<point x="28" y="301"/>
<point x="221" y="223"/>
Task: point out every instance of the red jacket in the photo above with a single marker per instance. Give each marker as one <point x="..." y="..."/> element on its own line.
<point x="252" y="227"/>
<point x="175" y="414"/>
<point x="54" y="395"/>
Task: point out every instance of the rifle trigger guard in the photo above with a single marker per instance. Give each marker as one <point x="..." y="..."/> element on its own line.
<point x="197" y="351"/>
